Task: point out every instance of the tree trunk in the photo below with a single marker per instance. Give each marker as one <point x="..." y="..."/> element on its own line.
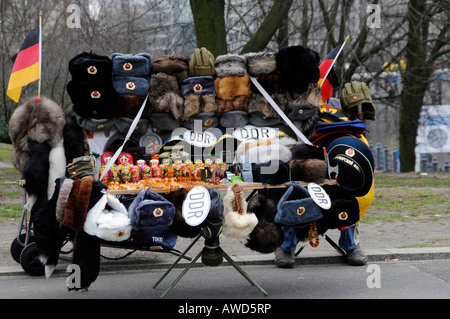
<point x="209" y="24"/>
<point x="415" y="82"/>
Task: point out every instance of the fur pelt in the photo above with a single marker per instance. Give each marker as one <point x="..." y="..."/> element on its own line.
<point x="260" y="63"/>
<point x="258" y="103"/>
<point x="69" y="211"/>
<point x="75" y="143"/>
<point x="41" y="122"/>
<point x="270" y="82"/>
<point x="82" y="203"/>
<point x="305" y="151"/>
<point x="299" y="67"/>
<point x="312" y="95"/>
<point x="170" y="102"/>
<point x="57" y="166"/>
<point x="239" y="103"/>
<point x="129" y="106"/>
<point x="36" y="169"/>
<point x="228" y="88"/>
<point x="195" y="104"/>
<point x="230" y="65"/>
<point x="309" y="170"/>
<point x="265" y="150"/>
<point x="64" y="193"/>
<point x="177" y="66"/>
<point x="161" y="83"/>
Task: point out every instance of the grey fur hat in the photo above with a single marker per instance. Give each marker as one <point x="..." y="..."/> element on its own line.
<point x="261" y="63"/>
<point x="230" y="65"/>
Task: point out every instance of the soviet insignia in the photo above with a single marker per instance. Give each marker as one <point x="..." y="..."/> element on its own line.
<point x="120" y="234"/>
<point x="343" y="216"/>
<point x="158" y="212"/>
<point x="301" y="211"/>
<point x="131" y="86"/>
<point x="95" y="95"/>
<point x="92" y="70"/>
<point x="198" y="88"/>
<point x="208" y="122"/>
<point x="128" y="66"/>
<point x="350" y="152"/>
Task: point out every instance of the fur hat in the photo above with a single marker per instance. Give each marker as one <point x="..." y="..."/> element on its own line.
<point x="299" y="66"/>
<point x="199" y="85"/>
<point x="238" y="103"/>
<point x="265" y="150"/>
<point x="201" y="63"/>
<point x="166" y="96"/>
<point x="273" y="172"/>
<point x="90" y="67"/>
<point x="177" y="66"/>
<point x="259" y="104"/>
<point x="195" y="104"/>
<point x="229" y="87"/>
<point x="161" y="83"/>
<point x="129" y="106"/>
<point x="230" y="65"/>
<point x="93" y="99"/>
<point x="260" y="63"/>
<point x="150" y="209"/>
<point x="267" y="236"/>
<point x="237" y="222"/>
<point x="131" y="85"/>
<point x="131" y="64"/>
<point x="179" y="225"/>
<point x="108" y="220"/>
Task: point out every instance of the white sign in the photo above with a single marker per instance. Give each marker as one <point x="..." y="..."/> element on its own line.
<point x="433" y="133"/>
<point x="250" y="132"/>
<point x="196" y="206"/>
<point x="319" y="196"/>
<point x="200" y="139"/>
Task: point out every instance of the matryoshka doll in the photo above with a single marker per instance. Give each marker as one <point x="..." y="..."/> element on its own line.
<point x="115" y="173"/>
<point x="135" y="174"/>
<point x="125" y="159"/>
<point x="146" y="172"/>
<point x="140" y="164"/>
<point x="125" y="174"/>
<point x="105" y="158"/>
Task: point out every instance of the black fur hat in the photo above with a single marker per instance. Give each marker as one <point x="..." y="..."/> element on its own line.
<point x="298" y="66"/>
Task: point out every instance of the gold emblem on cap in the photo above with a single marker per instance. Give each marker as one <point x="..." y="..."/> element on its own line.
<point x="343" y="216"/>
<point x="198" y="88"/>
<point x="131" y="86"/>
<point x="301" y="211"/>
<point x="128" y="66"/>
<point x="95" y="95"/>
<point x="158" y="212"/>
<point x="92" y="70"/>
<point x="120" y="234"/>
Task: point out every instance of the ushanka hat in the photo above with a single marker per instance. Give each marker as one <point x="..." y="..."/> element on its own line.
<point x="261" y="113"/>
<point x="150" y="209"/>
<point x="234" y="119"/>
<point x="129" y="106"/>
<point x="165" y="95"/>
<point x="201" y="63"/>
<point x="261" y="63"/>
<point x="299" y="66"/>
<point x="230" y="65"/>
<point x="355" y="163"/>
<point x="93" y="99"/>
<point x="131" y="85"/>
<point x="177" y="66"/>
<point x="199" y="95"/>
<point x="131" y="64"/>
<point x="88" y="66"/>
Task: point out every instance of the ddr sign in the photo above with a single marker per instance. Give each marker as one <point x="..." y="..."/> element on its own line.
<point x="254" y="132"/>
<point x="319" y="196"/>
<point x="196" y="206"/>
<point x="200" y="139"/>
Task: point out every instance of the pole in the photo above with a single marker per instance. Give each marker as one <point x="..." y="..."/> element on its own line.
<point x="40" y="56"/>
<point x="334" y="61"/>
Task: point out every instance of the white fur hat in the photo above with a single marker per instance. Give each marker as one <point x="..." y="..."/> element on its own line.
<point x="109" y="225"/>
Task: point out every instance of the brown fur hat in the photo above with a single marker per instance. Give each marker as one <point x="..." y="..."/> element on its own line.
<point x="258" y="103"/>
<point x="239" y="103"/>
<point x="129" y="106"/>
<point x="177" y="66"/>
<point x="161" y="83"/>
<point x="195" y="104"/>
<point x="270" y="82"/>
<point x="309" y="170"/>
<point x="172" y="103"/>
<point x="42" y="122"/>
<point x="229" y="87"/>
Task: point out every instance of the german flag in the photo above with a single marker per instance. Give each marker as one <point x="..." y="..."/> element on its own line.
<point x="26" y="67"/>
<point x="327" y="72"/>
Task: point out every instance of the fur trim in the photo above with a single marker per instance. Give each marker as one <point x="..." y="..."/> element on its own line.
<point x="82" y="203"/>
<point x="172" y="103"/>
<point x="195" y="104"/>
<point x="270" y="82"/>
<point x="261" y="63"/>
<point x="258" y="103"/>
<point x="309" y="170"/>
<point x="229" y="87"/>
<point x="63" y="196"/>
<point x="57" y="166"/>
<point x="177" y="66"/>
<point x="312" y="95"/>
<point x="305" y="151"/>
<point x="161" y="83"/>
<point x="264" y="151"/>
<point x="239" y="103"/>
<point x="69" y="211"/>
<point x="230" y="65"/>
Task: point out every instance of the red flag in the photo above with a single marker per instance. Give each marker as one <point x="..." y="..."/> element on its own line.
<point x="26" y="67"/>
<point x="327" y="73"/>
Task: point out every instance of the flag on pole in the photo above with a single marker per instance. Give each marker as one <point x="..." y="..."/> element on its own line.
<point x="26" y="67"/>
<point x="328" y="78"/>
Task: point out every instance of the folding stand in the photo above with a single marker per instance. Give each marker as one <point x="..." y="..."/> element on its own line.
<point x="225" y="255"/>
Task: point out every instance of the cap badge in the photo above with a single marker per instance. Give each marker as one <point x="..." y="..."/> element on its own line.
<point x="92" y="70"/>
<point x="158" y="212"/>
<point x="301" y="211"/>
<point x="131" y="86"/>
<point x="95" y="95"/>
<point x="350" y="152"/>
<point x="128" y="66"/>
